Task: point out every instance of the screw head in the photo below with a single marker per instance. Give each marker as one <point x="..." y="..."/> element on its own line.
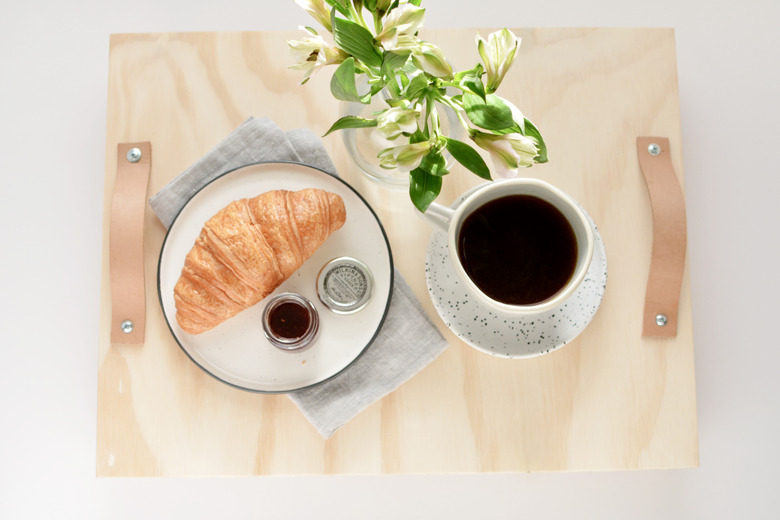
<point x="127" y="326"/>
<point x="653" y="149"/>
<point x="134" y="155"/>
<point x="661" y="320"/>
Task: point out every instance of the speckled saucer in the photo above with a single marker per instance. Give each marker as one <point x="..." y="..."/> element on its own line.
<point x="504" y="335"/>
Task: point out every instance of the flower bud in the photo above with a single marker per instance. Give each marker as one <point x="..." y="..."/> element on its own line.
<point x="318" y="9"/>
<point x="396" y="121"/>
<point x="508" y="152"/>
<point x="404" y="20"/>
<point x="406" y="42"/>
<point x="431" y="59"/>
<point x="406" y="157"/>
<point x="383" y="5"/>
<point x="497" y="53"/>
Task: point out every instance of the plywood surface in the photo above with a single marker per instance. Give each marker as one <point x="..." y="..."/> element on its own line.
<point x="609" y="400"/>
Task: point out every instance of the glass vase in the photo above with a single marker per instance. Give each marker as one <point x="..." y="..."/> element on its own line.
<point x="365" y="144"/>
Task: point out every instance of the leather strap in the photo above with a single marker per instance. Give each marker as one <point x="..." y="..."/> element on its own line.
<point x="669" y="237"/>
<point x="126" y="244"/>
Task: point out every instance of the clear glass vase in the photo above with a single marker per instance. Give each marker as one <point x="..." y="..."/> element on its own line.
<point x="365" y="144"/>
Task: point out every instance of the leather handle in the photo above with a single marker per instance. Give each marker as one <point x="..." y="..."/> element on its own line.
<point x="667" y="262"/>
<point x="126" y="243"/>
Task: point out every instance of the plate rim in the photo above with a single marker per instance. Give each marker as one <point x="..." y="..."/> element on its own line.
<point x="379" y="325"/>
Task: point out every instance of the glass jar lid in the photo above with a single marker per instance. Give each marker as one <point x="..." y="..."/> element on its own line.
<point x="344" y="285"/>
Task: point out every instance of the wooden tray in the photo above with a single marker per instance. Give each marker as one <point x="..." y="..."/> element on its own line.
<point x="609" y="400"/>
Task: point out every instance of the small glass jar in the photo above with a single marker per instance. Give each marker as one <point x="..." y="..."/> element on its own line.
<point x="290" y="322"/>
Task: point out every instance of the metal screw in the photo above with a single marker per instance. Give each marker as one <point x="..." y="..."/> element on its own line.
<point x="653" y="149"/>
<point x="127" y="326"/>
<point x="661" y="320"/>
<point x="134" y="155"/>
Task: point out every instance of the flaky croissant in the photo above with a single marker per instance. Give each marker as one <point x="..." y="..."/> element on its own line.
<point x="248" y="249"/>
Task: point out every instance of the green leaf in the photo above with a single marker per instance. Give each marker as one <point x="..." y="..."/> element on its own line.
<point x="351" y="122"/>
<point x="342" y="83"/>
<point x="340" y="5"/>
<point x="492" y="114"/>
<point x="474" y="85"/>
<point x="434" y="163"/>
<point x="468" y="157"/>
<point x="477" y="70"/>
<point x="423" y="188"/>
<point x="418" y="84"/>
<point x="471" y="81"/>
<point x="418" y="137"/>
<point x="356" y="40"/>
<point x="409" y="69"/>
<point x="393" y="61"/>
<point x="375" y="89"/>
<point x="532" y="131"/>
<point x="515" y="129"/>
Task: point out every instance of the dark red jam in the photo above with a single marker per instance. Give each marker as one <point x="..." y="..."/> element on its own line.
<point x="289" y="320"/>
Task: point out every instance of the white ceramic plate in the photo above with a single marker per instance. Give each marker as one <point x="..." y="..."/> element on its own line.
<point x="236" y="351"/>
<point x="508" y="336"/>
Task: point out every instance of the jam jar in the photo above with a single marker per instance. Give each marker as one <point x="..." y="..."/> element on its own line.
<point x="290" y="322"/>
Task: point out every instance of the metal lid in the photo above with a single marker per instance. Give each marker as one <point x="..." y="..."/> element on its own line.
<point x="344" y="285"/>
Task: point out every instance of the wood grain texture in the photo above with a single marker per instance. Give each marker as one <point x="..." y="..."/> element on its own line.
<point x="609" y="400"/>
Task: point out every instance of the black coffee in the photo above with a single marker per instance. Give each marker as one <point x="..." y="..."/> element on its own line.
<point x="518" y="249"/>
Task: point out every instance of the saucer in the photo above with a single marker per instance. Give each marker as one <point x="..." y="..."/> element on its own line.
<point x="505" y="335"/>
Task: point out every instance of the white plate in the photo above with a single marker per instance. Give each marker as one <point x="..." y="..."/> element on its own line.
<point x="236" y="351"/>
<point x="505" y="335"/>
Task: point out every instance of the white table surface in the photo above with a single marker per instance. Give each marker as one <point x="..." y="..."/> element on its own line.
<point x="53" y="80"/>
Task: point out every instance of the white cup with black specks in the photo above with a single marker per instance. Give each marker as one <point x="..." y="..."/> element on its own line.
<point x="521" y="246"/>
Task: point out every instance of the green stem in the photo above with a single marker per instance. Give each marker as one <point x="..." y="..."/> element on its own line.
<point x="443" y="83"/>
<point x="358" y="14"/>
<point x="429" y="109"/>
<point x="435" y="124"/>
<point x="458" y="112"/>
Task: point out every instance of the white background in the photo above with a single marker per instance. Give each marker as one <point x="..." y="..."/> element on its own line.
<point x="53" y="81"/>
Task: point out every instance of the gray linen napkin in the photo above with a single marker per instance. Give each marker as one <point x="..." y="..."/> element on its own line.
<point x="408" y="341"/>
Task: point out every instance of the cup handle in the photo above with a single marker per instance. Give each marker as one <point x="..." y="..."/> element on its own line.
<point x="438" y="216"/>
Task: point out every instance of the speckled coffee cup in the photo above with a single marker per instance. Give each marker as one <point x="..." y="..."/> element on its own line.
<point x="450" y="220"/>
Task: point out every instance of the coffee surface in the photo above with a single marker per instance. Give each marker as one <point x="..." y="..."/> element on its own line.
<point x="518" y="249"/>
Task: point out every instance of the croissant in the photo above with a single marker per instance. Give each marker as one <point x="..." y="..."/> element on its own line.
<point x="248" y="249"/>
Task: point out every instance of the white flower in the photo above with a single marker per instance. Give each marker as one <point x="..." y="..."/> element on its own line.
<point x="406" y="157"/>
<point x="396" y="121"/>
<point x="508" y="151"/>
<point x="497" y="53"/>
<point x="318" y="9"/>
<point x="406" y="42"/>
<point x="404" y="20"/>
<point x="431" y="59"/>
<point x="383" y="5"/>
<point x="313" y="53"/>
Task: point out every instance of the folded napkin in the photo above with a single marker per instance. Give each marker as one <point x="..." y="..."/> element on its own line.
<point x="408" y="341"/>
